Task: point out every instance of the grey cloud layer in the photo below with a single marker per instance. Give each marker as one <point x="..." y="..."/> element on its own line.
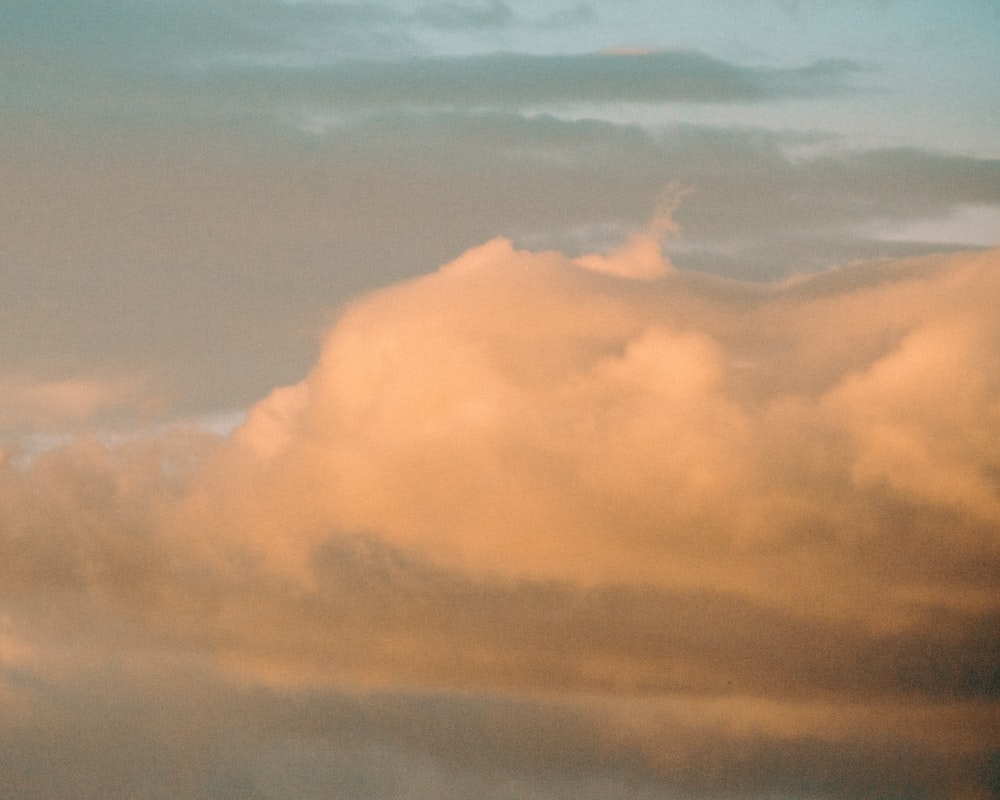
<point x="490" y="81"/>
<point x="304" y="745"/>
<point x="157" y="159"/>
<point x="109" y="235"/>
<point x="229" y="62"/>
<point x="171" y="52"/>
<point x="84" y="55"/>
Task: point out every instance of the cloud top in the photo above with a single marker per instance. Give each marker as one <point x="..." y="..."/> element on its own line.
<point x="514" y="411"/>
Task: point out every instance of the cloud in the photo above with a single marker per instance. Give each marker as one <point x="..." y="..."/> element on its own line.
<point x="168" y="61"/>
<point x="671" y="403"/>
<point x="185" y="55"/>
<point x="111" y="232"/>
<point x="514" y="80"/>
<point x="562" y="518"/>
<point x="531" y="523"/>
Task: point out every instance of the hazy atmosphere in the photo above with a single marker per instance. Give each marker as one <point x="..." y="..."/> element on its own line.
<point x="542" y="401"/>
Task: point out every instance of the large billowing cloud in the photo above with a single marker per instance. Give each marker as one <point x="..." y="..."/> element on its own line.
<point x="543" y="526"/>
<point x="516" y="410"/>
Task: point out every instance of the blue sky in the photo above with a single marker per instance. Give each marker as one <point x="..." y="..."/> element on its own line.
<point x="511" y="399"/>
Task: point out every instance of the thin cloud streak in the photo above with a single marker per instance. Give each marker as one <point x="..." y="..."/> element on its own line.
<point x="231" y="91"/>
<point x="515" y="80"/>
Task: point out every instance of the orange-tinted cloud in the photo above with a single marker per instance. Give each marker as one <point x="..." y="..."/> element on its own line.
<point x="598" y="532"/>
<point x="517" y="414"/>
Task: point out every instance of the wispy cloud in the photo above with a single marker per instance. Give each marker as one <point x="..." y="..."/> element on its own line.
<point x="141" y="44"/>
<point x="514" y="80"/>
<point x="41" y="403"/>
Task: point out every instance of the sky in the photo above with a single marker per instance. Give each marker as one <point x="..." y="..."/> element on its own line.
<point x="516" y="400"/>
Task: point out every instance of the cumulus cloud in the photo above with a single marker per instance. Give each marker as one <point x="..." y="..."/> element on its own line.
<point x="543" y="525"/>
<point x="517" y="396"/>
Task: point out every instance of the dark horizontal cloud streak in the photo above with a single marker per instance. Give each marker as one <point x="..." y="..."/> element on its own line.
<point x="516" y="80"/>
<point x="286" y="225"/>
<point x="538" y="637"/>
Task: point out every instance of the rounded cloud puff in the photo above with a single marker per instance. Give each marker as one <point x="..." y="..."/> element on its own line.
<point x="516" y="414"/>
